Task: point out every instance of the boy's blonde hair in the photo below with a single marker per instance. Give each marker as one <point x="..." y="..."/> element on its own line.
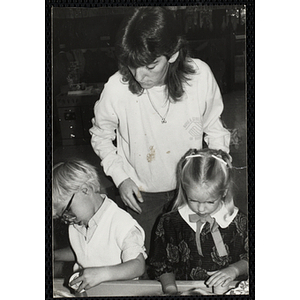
<point x="207" y="168"/>
<point x="67" y="179"/>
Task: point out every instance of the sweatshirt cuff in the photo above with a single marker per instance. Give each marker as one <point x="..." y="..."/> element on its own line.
<point x="118" y="176"/>
<point x="221" y="143"/>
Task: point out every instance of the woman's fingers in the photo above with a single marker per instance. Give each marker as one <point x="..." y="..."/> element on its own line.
<point x="131" y="202"/>
<point x="130" y="194"/>
<point x="138" y="195"/>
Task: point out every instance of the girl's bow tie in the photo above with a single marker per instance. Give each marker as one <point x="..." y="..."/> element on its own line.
<point x="214" y="229"/>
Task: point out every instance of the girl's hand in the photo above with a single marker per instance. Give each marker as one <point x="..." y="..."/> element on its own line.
<point x="89" y="278"/>
<point x="128" y="190"/>
<point x="222" y="277"/>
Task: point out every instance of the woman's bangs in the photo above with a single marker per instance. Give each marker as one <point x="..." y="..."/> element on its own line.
<point x="137" y="58"/>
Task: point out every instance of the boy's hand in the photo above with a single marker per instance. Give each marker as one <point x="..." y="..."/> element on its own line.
<point x="221" y="277"/>
<point x="128" y="190"/>
<point x="89" y="278"/>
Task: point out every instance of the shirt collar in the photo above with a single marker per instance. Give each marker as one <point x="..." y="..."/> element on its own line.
<point x="94" y="221"/>
<point x="88" y="231"/>
<point x="221" y="216"/>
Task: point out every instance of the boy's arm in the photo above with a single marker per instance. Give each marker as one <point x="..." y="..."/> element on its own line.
<point x="127" y="270"/>
<point x="64" y="254"/>
<point x="91" y="277"/>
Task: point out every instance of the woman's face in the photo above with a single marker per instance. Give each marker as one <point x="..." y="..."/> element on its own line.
<point x="153" y="74"/>
<point x="201" y="202"/>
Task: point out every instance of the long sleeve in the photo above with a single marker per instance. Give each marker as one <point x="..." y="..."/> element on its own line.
<point x="216" y="136"/>
<point x="105" y="124"/>
<point x="148" y="151"/>
<point x="159" y="261"/>
<point x="241" y="238"/>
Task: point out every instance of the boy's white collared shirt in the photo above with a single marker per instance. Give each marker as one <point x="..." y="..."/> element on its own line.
<point x="88" y="231"/>
<point x="221" y="216"/>
<point x="111" y="237"/>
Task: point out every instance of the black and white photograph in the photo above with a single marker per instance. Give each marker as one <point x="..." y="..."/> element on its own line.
<point x="150" y="163"/>
<point x="139" y="144"/>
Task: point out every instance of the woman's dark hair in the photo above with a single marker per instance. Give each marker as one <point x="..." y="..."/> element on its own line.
<point x="152" y="32"/>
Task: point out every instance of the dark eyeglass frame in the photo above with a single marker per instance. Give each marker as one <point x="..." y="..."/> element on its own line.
<point x="63" y="215"/>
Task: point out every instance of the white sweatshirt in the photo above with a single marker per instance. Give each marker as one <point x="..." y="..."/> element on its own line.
<point x="148" y="150"/>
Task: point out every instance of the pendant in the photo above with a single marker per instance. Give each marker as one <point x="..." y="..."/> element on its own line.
<point x="163" y="121"/>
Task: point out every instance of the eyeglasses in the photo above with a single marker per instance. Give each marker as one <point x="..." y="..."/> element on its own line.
<point x="64" y="216"/>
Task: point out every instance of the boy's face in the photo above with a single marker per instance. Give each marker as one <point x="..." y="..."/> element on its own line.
<point x="79" y="210"/>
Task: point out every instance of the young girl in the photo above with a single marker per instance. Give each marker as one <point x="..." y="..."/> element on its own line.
<point x="106" y="242"/>
<point x="204" y="237"/>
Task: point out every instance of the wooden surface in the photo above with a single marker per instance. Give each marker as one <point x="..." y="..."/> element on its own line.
<point x="139" y="288"/>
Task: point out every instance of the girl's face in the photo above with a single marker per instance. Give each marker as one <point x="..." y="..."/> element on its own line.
<point x="201" y="202"/>
<point x="153" y="74"/>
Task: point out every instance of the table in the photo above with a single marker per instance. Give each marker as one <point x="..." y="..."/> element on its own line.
<point x="138" y="288"/>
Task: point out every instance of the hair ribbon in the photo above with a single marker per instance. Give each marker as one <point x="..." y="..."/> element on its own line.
<point x="214" y="156"/>
<point x="220" y="159"/>
<point x="194" y="155"/>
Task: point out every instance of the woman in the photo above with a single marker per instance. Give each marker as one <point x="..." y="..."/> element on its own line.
<point x="160" y="103"/>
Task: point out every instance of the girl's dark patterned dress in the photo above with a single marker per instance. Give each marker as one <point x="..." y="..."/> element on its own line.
<point x="175" y="248"/>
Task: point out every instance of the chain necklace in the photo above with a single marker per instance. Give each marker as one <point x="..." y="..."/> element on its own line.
<point x="163" y="118"/>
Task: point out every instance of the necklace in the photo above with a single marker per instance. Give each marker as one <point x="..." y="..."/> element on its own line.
<point x="163" y="118"/>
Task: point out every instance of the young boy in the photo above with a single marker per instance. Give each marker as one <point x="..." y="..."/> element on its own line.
<point x="106" y="242"/>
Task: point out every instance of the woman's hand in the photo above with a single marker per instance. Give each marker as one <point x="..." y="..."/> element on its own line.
<point x="222" y="277"/>
<point x="128" y="190"/>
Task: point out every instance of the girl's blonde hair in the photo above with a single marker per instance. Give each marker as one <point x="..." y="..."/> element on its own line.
<point x="67" y="179"/>
<point x="207" y="168"/>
